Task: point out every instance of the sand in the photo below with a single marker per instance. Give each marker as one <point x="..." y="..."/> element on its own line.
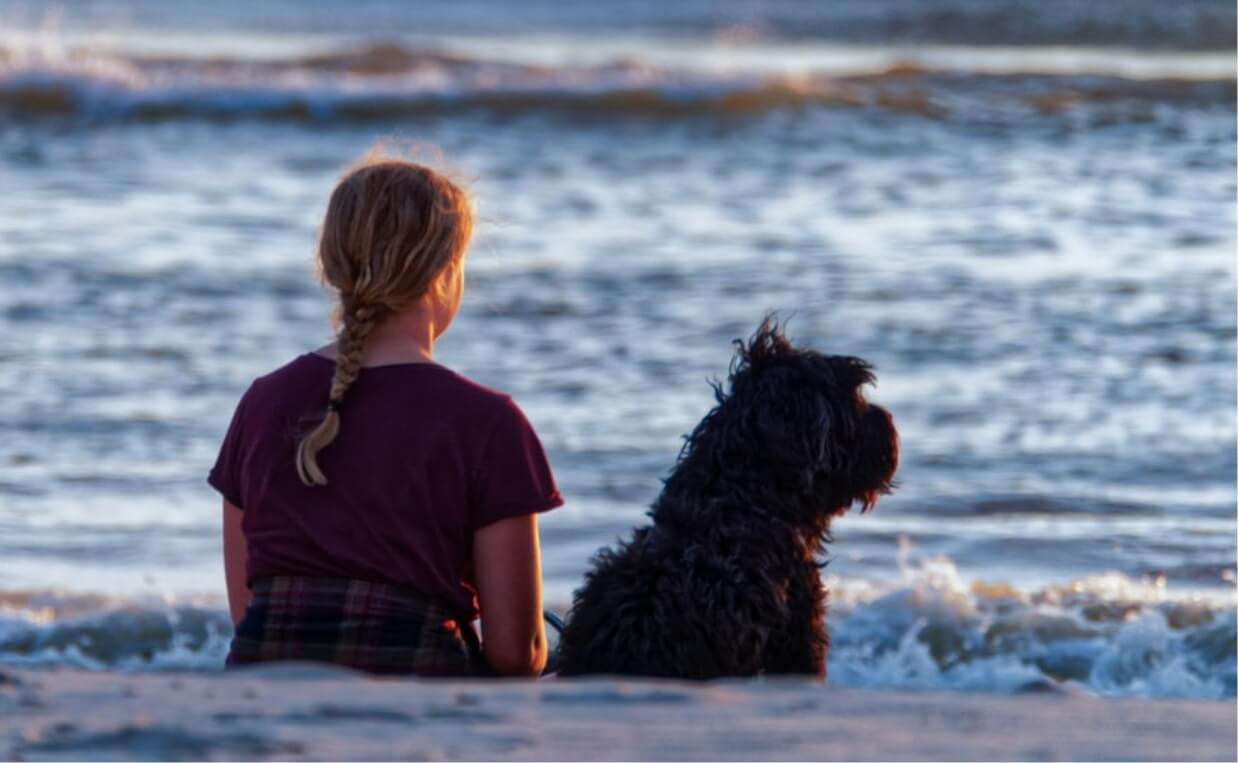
<point x="314" y="713"/>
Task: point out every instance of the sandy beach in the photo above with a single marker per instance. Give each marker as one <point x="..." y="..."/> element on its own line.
<point x="308" y="712"/>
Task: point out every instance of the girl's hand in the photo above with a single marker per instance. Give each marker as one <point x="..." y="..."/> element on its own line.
<point x="236" y="554"/>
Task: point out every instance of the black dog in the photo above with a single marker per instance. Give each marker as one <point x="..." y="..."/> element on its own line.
<point x="726" y="582"/>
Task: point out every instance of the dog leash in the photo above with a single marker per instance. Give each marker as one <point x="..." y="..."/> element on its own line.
<point x="553" y="620"/>
<point x="552" y="661"/>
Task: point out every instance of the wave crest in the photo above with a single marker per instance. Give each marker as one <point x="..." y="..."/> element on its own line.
<point x="383" y="82"/>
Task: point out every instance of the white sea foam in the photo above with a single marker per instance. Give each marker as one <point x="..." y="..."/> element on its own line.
<point x="1108" y="635"/>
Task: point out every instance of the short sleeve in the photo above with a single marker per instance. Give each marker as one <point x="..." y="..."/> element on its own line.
<point x="225" y="476"/>
<point x="513" y="476"/>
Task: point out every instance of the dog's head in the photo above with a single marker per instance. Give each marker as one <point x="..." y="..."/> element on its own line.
<point x="794" y="431"/>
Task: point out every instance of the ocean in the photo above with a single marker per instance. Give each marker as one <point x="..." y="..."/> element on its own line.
<point x="1022" y="213"/>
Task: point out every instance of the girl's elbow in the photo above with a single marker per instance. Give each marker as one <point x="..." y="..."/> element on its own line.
<point x="517" y="661"/>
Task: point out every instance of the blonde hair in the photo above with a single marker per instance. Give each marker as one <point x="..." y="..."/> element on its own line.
<point x="391" y="228"/>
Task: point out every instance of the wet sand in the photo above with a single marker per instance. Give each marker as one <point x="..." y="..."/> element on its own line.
<point x="314" y="713"/>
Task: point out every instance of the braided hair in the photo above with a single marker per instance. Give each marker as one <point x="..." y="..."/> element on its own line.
<point x="391" y="229"/>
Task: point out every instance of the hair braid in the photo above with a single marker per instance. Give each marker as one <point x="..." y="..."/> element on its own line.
<point x="392" y="228"/>
<point x="357" y="323"/>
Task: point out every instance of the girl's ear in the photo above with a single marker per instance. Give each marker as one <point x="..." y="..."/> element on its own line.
<point x="447" y="293"/>
<point x="453" y="283"/>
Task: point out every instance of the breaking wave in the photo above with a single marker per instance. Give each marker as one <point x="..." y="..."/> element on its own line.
<point x="49" y="628"/>
<point x="1108" y="635"/>
<point x="384" y="82"/>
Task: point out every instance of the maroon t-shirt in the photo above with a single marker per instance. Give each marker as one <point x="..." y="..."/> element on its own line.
<point x="424" y="457"/>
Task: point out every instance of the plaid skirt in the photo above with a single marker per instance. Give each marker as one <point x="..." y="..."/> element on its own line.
<point x="374" y="627"/>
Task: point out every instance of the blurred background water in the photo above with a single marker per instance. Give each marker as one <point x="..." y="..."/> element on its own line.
<point x="1022" y="213"/>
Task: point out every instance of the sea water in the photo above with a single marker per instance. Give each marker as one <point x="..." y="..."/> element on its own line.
<point x="1022" y="214"/>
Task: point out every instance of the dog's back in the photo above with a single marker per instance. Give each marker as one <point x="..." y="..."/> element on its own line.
<point x="665" y="606"/>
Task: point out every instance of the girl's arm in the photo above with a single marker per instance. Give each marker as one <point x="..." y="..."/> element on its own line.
<point x="509" y="589"/>
<point x="235" y="556"/>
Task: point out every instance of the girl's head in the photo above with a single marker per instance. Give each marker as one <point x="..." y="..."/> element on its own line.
<point x="393" y="238"/>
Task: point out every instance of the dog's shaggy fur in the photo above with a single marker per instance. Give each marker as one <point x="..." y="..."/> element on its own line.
<point x="726" y="581"/>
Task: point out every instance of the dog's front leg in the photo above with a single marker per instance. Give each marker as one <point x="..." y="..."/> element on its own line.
<point x="801" y="646"/>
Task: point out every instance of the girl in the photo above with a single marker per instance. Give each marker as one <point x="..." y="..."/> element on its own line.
<point x="375" y="501"/>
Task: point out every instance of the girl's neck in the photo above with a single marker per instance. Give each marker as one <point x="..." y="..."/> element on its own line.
<point x="386" y="347"/>
<point x="404" y="337"/>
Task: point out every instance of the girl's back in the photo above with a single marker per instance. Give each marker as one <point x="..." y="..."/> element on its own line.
<point x="423" y="458"/>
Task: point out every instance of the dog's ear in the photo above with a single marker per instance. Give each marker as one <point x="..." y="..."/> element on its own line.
<point x="774" y="415"/>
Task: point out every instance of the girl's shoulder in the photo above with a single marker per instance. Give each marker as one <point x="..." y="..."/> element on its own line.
<point x="306" y="365"/>
<point x="298" y="377"/>
<point x="307" y="377"/>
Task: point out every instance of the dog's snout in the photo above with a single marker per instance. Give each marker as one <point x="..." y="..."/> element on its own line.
<point x="882" y="437"/>
<point x="881" y="413"/>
